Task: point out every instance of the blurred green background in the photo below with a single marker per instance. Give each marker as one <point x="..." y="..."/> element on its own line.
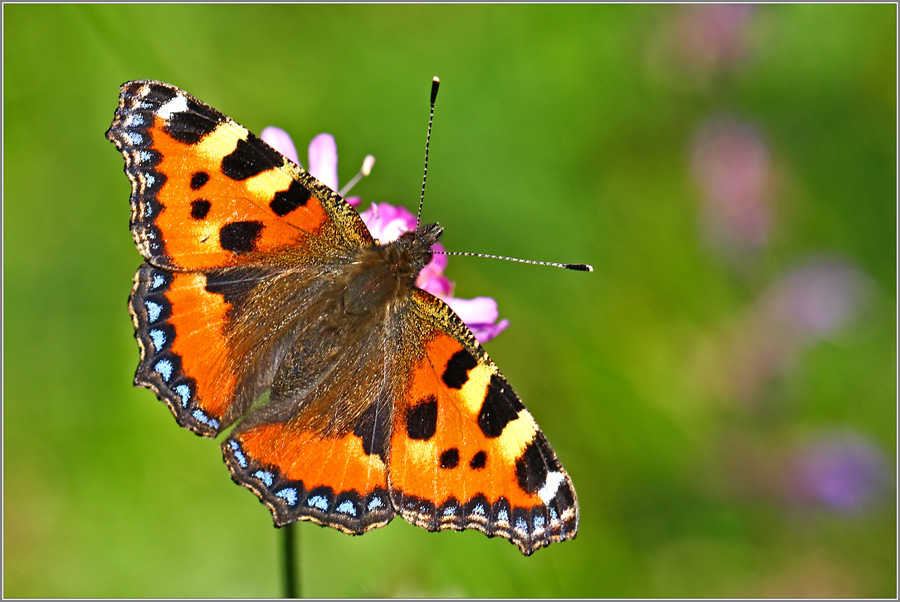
<point x="722" y="389"/>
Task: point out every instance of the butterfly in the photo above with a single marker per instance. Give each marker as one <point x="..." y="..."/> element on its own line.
<point x="265" y="303"/>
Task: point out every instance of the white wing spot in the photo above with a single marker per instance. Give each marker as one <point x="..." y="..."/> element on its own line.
<point x="176" y="105"/>
<point x="551" y="486"/>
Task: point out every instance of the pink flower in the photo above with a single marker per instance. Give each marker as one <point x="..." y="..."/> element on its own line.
<point x="387" y="222"/>
<point x="732" y="166"/>
<point x="322" y="156"/>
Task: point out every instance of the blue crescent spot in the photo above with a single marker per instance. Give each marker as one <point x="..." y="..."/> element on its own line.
<point x="134" y="138"/>
<point x="143" y="157"/>
<point x="347" y="507"/>
<point x="538" y="522"/>
<point x="479" y="509"/>
<point x="503" y="516"/>
<point x="289" y="495"/>
<point x="238" y="454"/>
<point x="184" y="392"/>
<point x="158" y="281"/>
<point x="201" y="417"/>
<point x="265" y="476"/>
<point x="375" y="502"/>
<point x="153" y="310"/>
<point x="450" y="510"/>
<point x="521" y="525"/>
<point x="159" y="338"/>
<point x="318" y="501"/>
<point x="164" y="367"/>
<point x="553" y="514"/>
<point x="149" y="180"/>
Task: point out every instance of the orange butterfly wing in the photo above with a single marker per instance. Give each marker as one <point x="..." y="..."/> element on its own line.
<point x="206" y="193"/>
<point x="212" y="209"/>
<point x="465" y="453"/>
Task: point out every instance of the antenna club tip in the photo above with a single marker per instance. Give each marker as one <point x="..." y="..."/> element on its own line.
<point x="579" y="267"/>
<point x="434" y="88"/>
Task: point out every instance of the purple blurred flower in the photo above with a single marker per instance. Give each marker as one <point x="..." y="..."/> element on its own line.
<point x="816" y="299"/>
<point x="732" y="167"/>
<point x="844" y="472"/>
<point x="386" y="223"/>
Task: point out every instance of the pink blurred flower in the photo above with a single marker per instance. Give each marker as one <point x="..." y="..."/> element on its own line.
<point x="712" y="37"/>
<point x="387" y="222"/>
<point x="732" y="167"/>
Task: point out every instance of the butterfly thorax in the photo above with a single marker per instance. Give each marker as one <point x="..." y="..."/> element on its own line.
<point x="387" y="273"/>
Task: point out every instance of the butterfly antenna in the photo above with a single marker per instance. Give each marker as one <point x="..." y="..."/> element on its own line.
<point x="578" y="267"/>
<point x="434" y="90"/>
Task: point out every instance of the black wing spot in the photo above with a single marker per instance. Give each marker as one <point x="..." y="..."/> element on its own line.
<point x="287" y="200"/>
<point x="249" y="158"/>
<point x="457" y="372"/>
<point x="479" y="461"/>
<point x="240" y="237"/>
<point x="450" y="458"/>
<point x="421" y="419"/>
<point x="501" y="406"/>
<point x="199" y="180"/>
<point x="200" y="208"/>
<point x="190" y="126"/>
<point x="531" y="469"/>
<point x="373" y="433"/>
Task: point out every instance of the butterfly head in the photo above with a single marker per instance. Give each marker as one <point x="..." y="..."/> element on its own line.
<point x="412" y="251"/>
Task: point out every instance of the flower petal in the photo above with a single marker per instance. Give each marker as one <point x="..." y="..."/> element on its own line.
<point x="387" y="222"/>
<point x="323" y="160"/>
<point x="278" y="139"/>
<point x="480" y="315"/>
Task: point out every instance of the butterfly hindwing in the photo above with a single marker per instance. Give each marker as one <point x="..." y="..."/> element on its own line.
<point x="184" y="352"/>
<point x="300" y="473"/>
<point x="465" y="453"/>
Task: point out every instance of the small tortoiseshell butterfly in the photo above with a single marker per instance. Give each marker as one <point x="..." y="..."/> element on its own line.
<point x="265" y="301"/>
